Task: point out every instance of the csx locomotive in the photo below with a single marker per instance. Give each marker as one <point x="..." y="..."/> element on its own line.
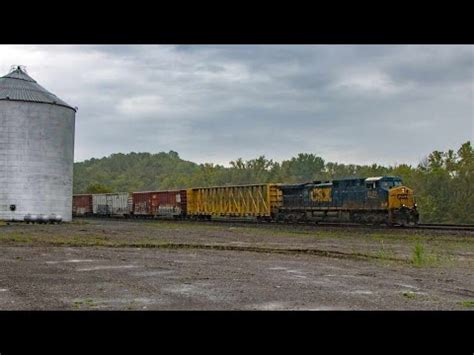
<point x="373" y="200"/>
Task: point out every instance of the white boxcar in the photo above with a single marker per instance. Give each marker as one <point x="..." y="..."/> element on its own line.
<point x="112" y="204"/>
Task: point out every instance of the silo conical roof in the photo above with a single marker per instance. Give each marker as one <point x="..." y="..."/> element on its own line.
<point x="19" y="86"/>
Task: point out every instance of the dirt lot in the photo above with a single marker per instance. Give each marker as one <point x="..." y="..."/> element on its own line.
<point x="144" y="265"/>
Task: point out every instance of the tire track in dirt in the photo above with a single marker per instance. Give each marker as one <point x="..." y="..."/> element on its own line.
<point x="242" y="248"/>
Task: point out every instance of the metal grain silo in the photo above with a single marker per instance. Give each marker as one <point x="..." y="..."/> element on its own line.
<point x="36" y="149"/>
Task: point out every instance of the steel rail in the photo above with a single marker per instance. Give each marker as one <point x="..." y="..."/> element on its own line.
<point x="426" y="226"/>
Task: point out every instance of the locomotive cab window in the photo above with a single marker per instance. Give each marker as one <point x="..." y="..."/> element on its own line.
<point x="389" y="184"/>
<point x="371" y="185"/>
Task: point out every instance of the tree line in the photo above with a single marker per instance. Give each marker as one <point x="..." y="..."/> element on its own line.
<point x="443" y="181"/>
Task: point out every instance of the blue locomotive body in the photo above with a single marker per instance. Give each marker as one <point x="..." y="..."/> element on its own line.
<point x="369" y="200"/>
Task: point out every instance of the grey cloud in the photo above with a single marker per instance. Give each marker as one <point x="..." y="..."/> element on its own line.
<point x="358" y="104"/>
<point x="435" y="66"/>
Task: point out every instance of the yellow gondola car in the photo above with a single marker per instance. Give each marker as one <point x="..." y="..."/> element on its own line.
<point x="257" y="200"/>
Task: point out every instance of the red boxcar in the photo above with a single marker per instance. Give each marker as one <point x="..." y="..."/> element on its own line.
<point x="82" y="205"/>
<point x="159" y="203"/>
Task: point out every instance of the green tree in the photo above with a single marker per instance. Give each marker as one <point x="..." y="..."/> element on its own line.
<point x="443" y="182"/>
<point x="305" y="167"/>
<point x="97" y="189"/>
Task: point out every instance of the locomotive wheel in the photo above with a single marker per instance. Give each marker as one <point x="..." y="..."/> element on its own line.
<point x="403" y="222"/>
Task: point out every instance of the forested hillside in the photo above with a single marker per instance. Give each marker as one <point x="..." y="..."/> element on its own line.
<point x="443" y="182"/>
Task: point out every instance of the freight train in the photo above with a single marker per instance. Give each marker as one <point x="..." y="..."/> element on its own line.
<point x="373" y="200"/>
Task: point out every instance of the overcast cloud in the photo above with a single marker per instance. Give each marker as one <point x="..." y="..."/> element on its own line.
<point x="351" y="104"/>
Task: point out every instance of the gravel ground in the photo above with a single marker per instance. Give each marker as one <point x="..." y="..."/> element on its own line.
<point x="107" y="264"/>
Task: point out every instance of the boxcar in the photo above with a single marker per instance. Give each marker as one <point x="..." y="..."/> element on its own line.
<point x="112" y="204"/>
<point x="159" y="204"/>
<point x="258" y="200"/>
<point x="82" y="205"/>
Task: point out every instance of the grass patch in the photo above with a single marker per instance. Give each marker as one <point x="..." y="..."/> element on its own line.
<point x="384" y="254"/>
<point x="272" y="230"/>
<point x="466" y="244"/>
<point x="409" y="295"/>
<point x="378" y="236"/>
<point x="418" y="257"/>
<point x="467" y="304"/>
<point x="87" y="302"/>
<point x="78" y="222"/>
<point x="18" y="238"/>
<point x="21" y="238"/>
<point x="185" y="225"/>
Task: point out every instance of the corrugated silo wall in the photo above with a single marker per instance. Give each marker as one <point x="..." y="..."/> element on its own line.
<point x="36" y="159"/>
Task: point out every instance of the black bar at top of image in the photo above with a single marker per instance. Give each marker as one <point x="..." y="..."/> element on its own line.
<point x="239" y="25"/>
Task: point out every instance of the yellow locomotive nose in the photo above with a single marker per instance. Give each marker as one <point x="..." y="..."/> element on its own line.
<point x="401" y="196"/>
<point x="402" y="206"/>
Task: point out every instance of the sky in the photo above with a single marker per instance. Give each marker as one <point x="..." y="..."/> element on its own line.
<point x="358" y="104"/>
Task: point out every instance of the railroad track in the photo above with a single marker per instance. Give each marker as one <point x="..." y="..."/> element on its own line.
<point x="426" y="226"/>
<point x="459" y="227"/>
<point x="430" y="226"/>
